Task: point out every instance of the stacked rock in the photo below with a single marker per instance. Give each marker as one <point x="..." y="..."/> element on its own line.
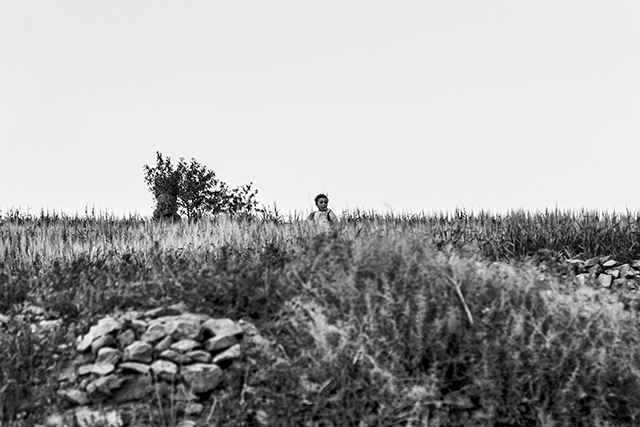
<point x="608" y="273"/>
<point x="168" y="350"/>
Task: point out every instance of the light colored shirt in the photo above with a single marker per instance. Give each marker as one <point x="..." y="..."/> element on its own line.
<point x="323" y="217"/>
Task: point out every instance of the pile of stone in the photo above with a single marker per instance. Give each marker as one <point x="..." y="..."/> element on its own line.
<point x="166" y="351"/>
<point x="608" y="273"/>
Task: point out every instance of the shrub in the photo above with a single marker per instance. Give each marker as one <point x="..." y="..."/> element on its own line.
<point x="193" y="190"/>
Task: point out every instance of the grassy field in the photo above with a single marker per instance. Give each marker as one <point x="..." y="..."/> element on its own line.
<point x="413" y="320"/>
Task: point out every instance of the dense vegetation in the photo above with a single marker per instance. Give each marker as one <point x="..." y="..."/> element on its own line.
<point x="438" y="320"/>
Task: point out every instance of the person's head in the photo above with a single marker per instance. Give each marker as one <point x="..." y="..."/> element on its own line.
<point x="322" y="201"/>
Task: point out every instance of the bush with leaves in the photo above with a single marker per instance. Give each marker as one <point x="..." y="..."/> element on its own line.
<point x="193" y="190"/>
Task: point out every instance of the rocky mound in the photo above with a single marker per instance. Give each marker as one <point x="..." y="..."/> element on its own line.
<point x="165" y="352"/>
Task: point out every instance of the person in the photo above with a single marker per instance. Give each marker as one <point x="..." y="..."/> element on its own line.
<point x="323" y="215"/>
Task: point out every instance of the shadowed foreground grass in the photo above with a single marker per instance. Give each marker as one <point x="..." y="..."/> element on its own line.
<point x="385" y="322"/>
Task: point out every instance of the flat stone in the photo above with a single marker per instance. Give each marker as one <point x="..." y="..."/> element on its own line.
<point x="222" y="327"/>
<point x="155" y="332"/>
<point x="591" y="262"/>
<point x="140" y="368"/>
<point x="220" y="343"/>
<point x="605" y="280"/>
<point x="126" y="338"/>
<point x="96" y="368"/>
<point x="165" y="369"/>
<point x="138" y="352"/>
<point x="229" y="354"/>
<point x="103" y="327"/>
<point x="185" y="345"/>
<point x="75" y="396"/>
<point x="613" y="272"/>
<point x="108" y="355"/>
<point x="185" y="329"/>
<point x="139" y="325"/>
<point x="610" y="263"/>
<point x="104" y="385"/>
<point x="155" y="312"/>
<point x="177" y="309"/>
<point x="164" y="344"/>
<point x="134" y="388"/>
<point x="199" y="356"/>
<point x="102" y="342"/>
<point x="86" y="417"/>
<point x="176" y="357"/>
<point x="201" y="377"/>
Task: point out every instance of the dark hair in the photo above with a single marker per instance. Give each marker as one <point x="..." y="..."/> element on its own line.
<point x="320" y="196"/>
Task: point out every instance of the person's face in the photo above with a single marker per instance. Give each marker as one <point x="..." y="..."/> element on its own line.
<point x="322" y="204"/>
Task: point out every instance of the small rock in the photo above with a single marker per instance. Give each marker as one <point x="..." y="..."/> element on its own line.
<point x="219" y="343"/>
<point x="134" y="388"/>
<point x="102" y="328"/>
<point x="99" y="369"/>
<point x="68" y="374"/>
<point x="610" y="263"/>
<point x="3" y="319"/>
<point x="139" y="325"/>
<point x="185" y="345"/>
<point x="591" y="262"/>
<point x="138" y="352"/>
<point x="199" y="356"/>
<point x="86" y="417"/>
<point x="139" y="368"/>
<point x="108" y="355"/>
<point x="176" y="357"/>
<point x="175" y="309"/>
<point x="613" y="272"/>
<point x="222" y="327"/>
<point x="164" y="369"/>
<point x="155" y="332"/>
<point x="102" y="342"/>
<point x="202" y="377"/>
<point x="164" y="344"/>
<point x="56" y="420"/>
<point x="126" y="338"/>
<point x="75" y="396"/>
<point x="624" y="268"/>
<point x="229" y="354"/>
<point x="104" y="386"/>
<point x="185" y="329"/>
<point x="605" y="280"/>
<point x="155" y="312"/>
<point x="186" y="423"/>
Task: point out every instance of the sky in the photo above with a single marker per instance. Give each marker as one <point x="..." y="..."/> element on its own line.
<point x="385" y="105"/>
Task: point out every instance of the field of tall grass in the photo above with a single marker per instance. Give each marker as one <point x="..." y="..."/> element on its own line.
<point x="387" y="320"/>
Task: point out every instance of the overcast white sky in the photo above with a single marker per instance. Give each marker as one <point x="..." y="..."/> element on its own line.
<point x="403" y="105"/>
